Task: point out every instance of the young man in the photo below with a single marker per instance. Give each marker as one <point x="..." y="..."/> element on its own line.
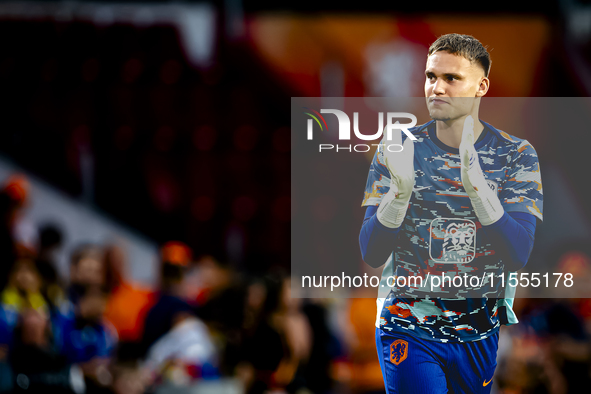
<point x="462" y="199"/>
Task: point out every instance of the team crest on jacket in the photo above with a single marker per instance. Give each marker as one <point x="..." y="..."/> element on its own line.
<point x="452" y="240"/>
<point x="398" y="351"/>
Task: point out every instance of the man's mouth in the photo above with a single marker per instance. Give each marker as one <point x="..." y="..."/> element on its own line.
<point x="438" y="101"/>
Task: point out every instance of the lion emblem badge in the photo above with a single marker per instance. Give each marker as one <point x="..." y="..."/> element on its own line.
<point x="398" y="351"/>
<point x="452" y="240"/>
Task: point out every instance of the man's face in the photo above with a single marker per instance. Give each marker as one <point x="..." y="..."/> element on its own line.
<point x="452" y="85"/>
<point x="90" y="270"/>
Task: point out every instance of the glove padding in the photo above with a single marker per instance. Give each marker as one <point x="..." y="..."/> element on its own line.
<point x="392" y="209"/>
<point x="485" y="202"/>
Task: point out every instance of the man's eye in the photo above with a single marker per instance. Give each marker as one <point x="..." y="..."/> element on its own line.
<point x="451" y="78"/>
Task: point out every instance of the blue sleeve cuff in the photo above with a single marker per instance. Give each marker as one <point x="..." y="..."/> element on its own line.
<point x="378" y="226"/>
<point x="376" y="240"/>
<point x="513" y="236"/>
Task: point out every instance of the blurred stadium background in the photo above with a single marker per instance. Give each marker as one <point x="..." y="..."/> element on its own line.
<point x="145" y="161"/>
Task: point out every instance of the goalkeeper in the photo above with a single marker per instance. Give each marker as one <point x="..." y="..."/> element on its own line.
<point x="463" y="198"/>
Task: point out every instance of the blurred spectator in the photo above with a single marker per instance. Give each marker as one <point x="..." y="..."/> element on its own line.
<point x="20" y="283"/>
<point x="560" y="323"/>
<point x="178" y="345"/>
<point x="548" y="352"/>
<point x="88" y="339"/>
<point x="206" y="285"/>
<point x="295" y="325"/>
<point x="128" y="378"/>
<point x="50" y="242"/>
<point x="24" y="232"/>
<point x="213" y="288"/>
<point x="170" y="308"/>
<point x="6" y="341"/>
<point x="129" y="302"/>
<point x="87" y="267"/>
<point x="277" y="338"/>
<point x="183" y="354"/>
<point x="36" y="364"/>
<point x="23" y="291"/>
<point x="324" y="348"/>
<point x="11" y="201"/>
<point x="263" y="346"/>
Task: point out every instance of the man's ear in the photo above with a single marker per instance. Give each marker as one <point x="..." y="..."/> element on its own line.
<point x="483" y="87"/>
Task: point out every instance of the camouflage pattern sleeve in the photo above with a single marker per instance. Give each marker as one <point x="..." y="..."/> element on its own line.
<point x="378" y="180"/>
<point x="522" y="189"/>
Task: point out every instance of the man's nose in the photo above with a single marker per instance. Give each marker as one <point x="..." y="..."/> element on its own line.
<point x="439" y="87"/>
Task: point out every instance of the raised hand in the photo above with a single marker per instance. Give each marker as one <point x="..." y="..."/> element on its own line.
<point x="393" y="207"/>
<point x="486" y="204"/>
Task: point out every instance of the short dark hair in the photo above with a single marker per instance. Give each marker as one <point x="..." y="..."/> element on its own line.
<point x="463" y="45"/>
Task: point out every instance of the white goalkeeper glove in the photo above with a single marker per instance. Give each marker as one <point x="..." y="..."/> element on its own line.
<point x="485" y="202"/>
<point x="392" y="209"/>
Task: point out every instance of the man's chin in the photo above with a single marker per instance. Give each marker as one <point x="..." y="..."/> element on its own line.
<point x="439" y="116"/>
<point x="443" y="116"/>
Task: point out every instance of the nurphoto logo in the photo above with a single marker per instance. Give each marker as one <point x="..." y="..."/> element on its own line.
<point x="345" y="129"/>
